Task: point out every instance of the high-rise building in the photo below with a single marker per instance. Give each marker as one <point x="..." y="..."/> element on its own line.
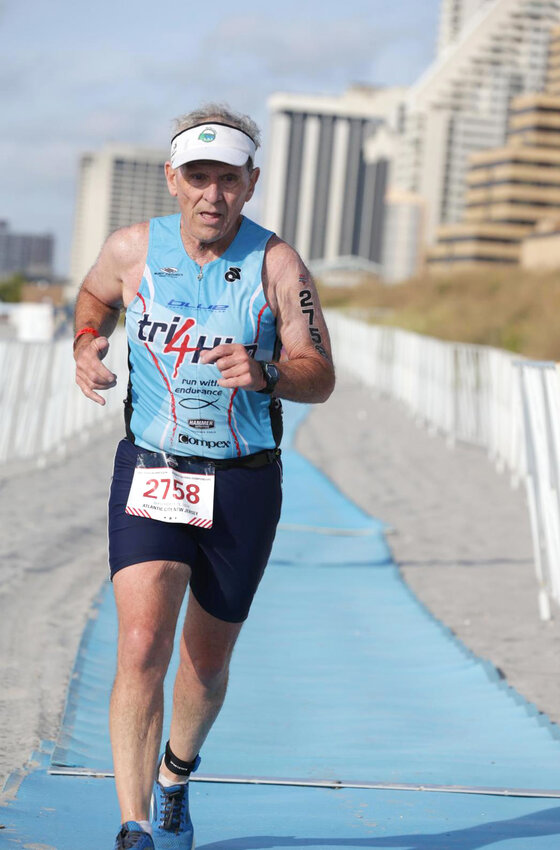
<point x="511" y="188"/>
<point x="460" y="105"/>
<point x="336" y="164"/>
<point x="325" y="182"/>
<point x="453" y="18"/>
<point x="402" y="235"/>
<point x="28" y="254"/>
<point x="117" y="186"/>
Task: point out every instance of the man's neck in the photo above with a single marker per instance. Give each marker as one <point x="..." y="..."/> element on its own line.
<point x="205" y="252"/>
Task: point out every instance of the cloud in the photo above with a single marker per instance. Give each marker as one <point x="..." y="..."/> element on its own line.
<point x="287" y="49"/>
<point x="311" y="53"/>
<point x="124" y="92"/>
<point x="81" y="87"/>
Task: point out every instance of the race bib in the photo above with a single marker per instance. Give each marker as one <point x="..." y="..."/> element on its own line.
<point x="171" y="496"/>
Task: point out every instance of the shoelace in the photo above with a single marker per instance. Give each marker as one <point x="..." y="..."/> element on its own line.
<point x="127" y="839"/>
<point x="173" y="809"/>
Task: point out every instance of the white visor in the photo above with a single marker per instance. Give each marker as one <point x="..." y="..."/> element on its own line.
<point x="218" y="142"/>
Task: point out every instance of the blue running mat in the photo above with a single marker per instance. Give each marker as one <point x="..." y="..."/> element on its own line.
<point x="68" y="812"/>
<point x="339" y="676"/>
<point x="339" y="672"/>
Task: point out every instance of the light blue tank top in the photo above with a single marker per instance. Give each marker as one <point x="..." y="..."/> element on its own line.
<point x="174" y="403"/>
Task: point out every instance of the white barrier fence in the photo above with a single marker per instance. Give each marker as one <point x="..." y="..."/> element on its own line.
<point x="465" y="392"/>
<point x="484" y="396"/>
<point x="540" y="394"/>
<point x="42" y="407"/>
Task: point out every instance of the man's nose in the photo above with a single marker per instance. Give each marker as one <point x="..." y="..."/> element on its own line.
<point x="213" y="192"/>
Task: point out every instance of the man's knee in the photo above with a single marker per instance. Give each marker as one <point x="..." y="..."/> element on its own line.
<point x="209" y="668"/>
<point x="145" y="650"/>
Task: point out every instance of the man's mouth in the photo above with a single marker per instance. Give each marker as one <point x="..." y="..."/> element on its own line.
<point x="210" y="217"/>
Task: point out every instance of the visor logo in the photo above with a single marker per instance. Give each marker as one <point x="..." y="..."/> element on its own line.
<point x="207" y="135"/>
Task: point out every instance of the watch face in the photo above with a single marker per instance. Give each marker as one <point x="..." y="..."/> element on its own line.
<point x="271" y="375"/>
<point x="272" y="372"/>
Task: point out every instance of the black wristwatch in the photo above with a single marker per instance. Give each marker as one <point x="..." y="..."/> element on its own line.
<point x="271" y="376"/>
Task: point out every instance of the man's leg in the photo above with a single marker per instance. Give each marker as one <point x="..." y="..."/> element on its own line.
<point x="148" y="597"/>
<point x="200" y="687"/>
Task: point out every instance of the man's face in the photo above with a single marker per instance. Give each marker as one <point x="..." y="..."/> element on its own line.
<point x="211" y="196"/>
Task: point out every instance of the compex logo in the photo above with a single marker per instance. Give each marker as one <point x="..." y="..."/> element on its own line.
<point x="199" y="441"/>
<point x="207" y="135"/>
<point x="233" y="274"/>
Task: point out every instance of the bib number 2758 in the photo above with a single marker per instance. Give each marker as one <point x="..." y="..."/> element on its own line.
<point x="172" y="496"/>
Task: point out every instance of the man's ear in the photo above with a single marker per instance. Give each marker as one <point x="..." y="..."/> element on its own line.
<point x="171" y="177"/>
<point x="255" y="174"/>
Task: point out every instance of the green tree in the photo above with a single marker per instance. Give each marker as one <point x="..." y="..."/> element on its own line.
<point x="10" y="288"/>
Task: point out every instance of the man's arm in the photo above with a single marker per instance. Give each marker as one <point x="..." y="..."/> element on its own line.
<point x="101" y="297"/>
<point x="308" y="373"/>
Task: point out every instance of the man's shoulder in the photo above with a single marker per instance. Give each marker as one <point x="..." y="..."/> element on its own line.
<point x="130" y="237"/>
<point x="129" y="244"/>
<point x="279" y="256"/>
<point x="282" y="266"/>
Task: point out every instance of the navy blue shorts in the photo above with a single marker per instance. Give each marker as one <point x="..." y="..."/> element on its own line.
<point x="228" y="560"/>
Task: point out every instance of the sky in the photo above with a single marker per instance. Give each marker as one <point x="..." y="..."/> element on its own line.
<point x="74" y="76"/>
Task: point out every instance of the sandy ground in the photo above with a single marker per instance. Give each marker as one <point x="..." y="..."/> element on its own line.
<point x="460" y="536"/>
<point x="52" y="563"/>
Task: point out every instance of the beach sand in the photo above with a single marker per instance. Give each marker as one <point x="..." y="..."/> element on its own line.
<point x="52" y="563"/>
<point x="459" y="533"/>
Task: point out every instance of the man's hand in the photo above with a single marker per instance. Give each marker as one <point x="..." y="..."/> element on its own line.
<point x="238" y="368"/>
<point x="91" y="374"/>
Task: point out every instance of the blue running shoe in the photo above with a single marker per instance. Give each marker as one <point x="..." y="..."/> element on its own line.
<point x="133" y="836"/>
<point x="171" y="821"/>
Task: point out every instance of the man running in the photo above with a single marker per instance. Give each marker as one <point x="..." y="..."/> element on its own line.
<point x="210" y="299"/>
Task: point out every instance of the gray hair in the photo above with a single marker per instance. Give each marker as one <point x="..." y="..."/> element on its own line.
<point x="222" y="113"/>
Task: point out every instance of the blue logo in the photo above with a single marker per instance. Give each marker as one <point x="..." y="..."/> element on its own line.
<point x="207" y="135"/>
<point x="214" y="308"/>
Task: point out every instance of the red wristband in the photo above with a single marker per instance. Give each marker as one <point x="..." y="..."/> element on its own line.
<point x="83" y="331"/>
